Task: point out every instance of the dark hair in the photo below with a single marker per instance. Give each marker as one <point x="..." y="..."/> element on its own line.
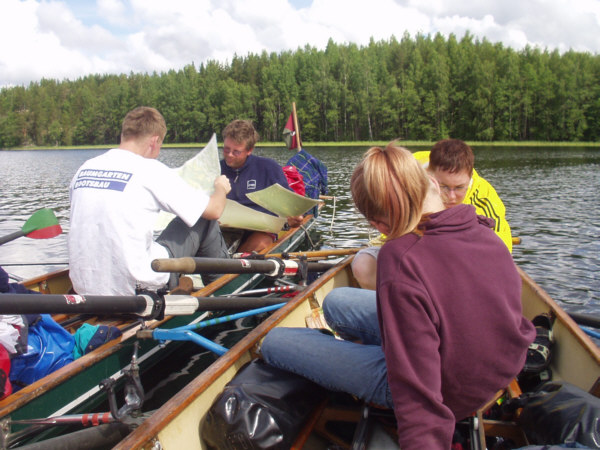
<point x="452" y="155"/>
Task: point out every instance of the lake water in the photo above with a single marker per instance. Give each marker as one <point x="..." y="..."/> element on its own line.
<point x="551" y="197"/>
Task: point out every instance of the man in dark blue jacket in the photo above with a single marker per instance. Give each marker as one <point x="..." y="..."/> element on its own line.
<point x="250" y="173"/>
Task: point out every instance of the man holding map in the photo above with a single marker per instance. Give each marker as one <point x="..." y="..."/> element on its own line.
<point x="250" y="173"/>
<point x="116" y="198"/>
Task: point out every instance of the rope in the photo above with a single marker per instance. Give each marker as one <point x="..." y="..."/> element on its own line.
<point x="307" y="234"/>
<point x="332" y="216"/>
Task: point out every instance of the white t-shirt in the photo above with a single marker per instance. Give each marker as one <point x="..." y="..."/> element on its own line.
<point x="115" y="200"/>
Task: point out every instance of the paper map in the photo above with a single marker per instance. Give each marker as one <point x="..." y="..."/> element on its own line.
<point x="200" y="172"/>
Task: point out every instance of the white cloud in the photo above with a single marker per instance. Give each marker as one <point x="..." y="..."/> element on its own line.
<point x="72" y="38"/>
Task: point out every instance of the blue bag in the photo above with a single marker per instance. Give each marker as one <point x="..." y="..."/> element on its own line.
<point x="49" y="347"/>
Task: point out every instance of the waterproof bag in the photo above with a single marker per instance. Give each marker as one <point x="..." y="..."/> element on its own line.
<point x="559" y="413"/>
<point x="262" y="407"/>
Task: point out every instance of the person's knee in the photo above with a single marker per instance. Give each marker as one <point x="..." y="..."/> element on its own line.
<point x="281" y="344"/>
<point x="335" y="300"/>
<point x="256" y="242"/>
<point x="275" y="339"/>
<point x="364" y="269"/>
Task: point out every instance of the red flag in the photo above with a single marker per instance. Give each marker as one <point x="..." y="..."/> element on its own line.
<point x="289" y="134"/>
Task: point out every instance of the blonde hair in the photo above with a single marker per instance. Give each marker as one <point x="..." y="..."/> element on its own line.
<point x="389" y="184"/>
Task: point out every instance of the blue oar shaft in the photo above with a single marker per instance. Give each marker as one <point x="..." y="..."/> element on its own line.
<point x="590" y="332"/>
<point x="230" y="317"/>
<point x="186" y="333"/>
<point x="180" y="334"/>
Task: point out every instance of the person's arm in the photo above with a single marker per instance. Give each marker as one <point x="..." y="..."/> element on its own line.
<point x="411" y="344"/>
<point x="487" y="203"/>
<point x="216" y="202"/>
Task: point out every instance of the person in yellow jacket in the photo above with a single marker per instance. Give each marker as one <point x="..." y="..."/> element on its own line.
<point x="451" y="163"/>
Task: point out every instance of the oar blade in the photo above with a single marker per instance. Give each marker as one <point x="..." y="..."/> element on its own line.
<point x="46" y="233"/>
<point x="43" y="224"/>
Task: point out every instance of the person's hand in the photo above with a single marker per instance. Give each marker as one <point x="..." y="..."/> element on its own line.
<point x="295" y="221"/>
<point x="222" y="182"/>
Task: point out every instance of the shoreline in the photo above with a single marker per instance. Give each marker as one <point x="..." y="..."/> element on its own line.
<point x="329" y="144"/>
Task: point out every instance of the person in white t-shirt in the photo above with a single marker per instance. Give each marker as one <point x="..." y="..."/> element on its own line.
<point x="115" y="200"/>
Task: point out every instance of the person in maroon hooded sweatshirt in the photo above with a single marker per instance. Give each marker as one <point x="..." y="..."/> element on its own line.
<point x="448" y="330"/>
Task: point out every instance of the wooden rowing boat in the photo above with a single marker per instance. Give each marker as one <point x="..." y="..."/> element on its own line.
<point x="175" y="425"/>
<point x="75" y="387"/>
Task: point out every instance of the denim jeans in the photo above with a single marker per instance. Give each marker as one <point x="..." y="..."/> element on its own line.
<point x="339" y="365"/>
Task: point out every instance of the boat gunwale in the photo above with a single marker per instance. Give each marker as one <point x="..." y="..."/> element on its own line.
<point x="560" y="314"/>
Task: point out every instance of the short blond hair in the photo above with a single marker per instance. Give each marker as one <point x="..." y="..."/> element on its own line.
<point x="390" y="184"/>
<point x="141" y="122"/>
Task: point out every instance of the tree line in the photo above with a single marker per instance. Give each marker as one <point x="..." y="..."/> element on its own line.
<point x="421" y="88"/>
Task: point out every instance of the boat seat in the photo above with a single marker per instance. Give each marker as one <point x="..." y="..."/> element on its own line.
<point x="481" y="427"/>
<point x="350" y="423"/>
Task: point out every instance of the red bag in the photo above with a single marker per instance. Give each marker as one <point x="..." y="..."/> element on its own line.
<point x="294" y="179"/>
<point x="5" y="386"/>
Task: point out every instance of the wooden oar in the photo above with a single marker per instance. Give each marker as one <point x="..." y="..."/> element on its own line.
<point x="42" y="224"/>
<point x="146" y="306"/>
<point x="270" y="267"/>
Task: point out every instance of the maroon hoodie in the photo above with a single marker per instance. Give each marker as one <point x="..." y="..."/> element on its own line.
<point x="453" y="333"/>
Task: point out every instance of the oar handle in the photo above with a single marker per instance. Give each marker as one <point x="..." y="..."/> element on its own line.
<point x="76" y="304"/>
<point x="214" y="265"/>
<point x="273" y="267"/>
<point x="176" y="265"/>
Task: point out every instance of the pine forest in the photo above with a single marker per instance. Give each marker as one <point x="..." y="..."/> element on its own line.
<point x="416" y="88"/>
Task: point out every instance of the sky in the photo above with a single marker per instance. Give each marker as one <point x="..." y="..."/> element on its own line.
<point x="68" y="39"/>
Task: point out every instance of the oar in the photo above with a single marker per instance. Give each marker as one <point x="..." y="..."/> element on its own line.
<point x="185" y="333"/>
<point x="585" y="319"/>
<point x="590" y="332"/>
<point x="42" y="224"/>
<point x="310" y="254"/>
<point x="270" y="267"/>
<point x="267" y="290"/>
<point x="146" y="306"/>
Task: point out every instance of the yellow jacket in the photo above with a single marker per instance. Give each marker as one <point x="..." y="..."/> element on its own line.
<point x="484" y="198"/>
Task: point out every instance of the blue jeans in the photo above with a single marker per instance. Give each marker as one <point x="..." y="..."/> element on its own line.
<point x="338" y="365"/>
